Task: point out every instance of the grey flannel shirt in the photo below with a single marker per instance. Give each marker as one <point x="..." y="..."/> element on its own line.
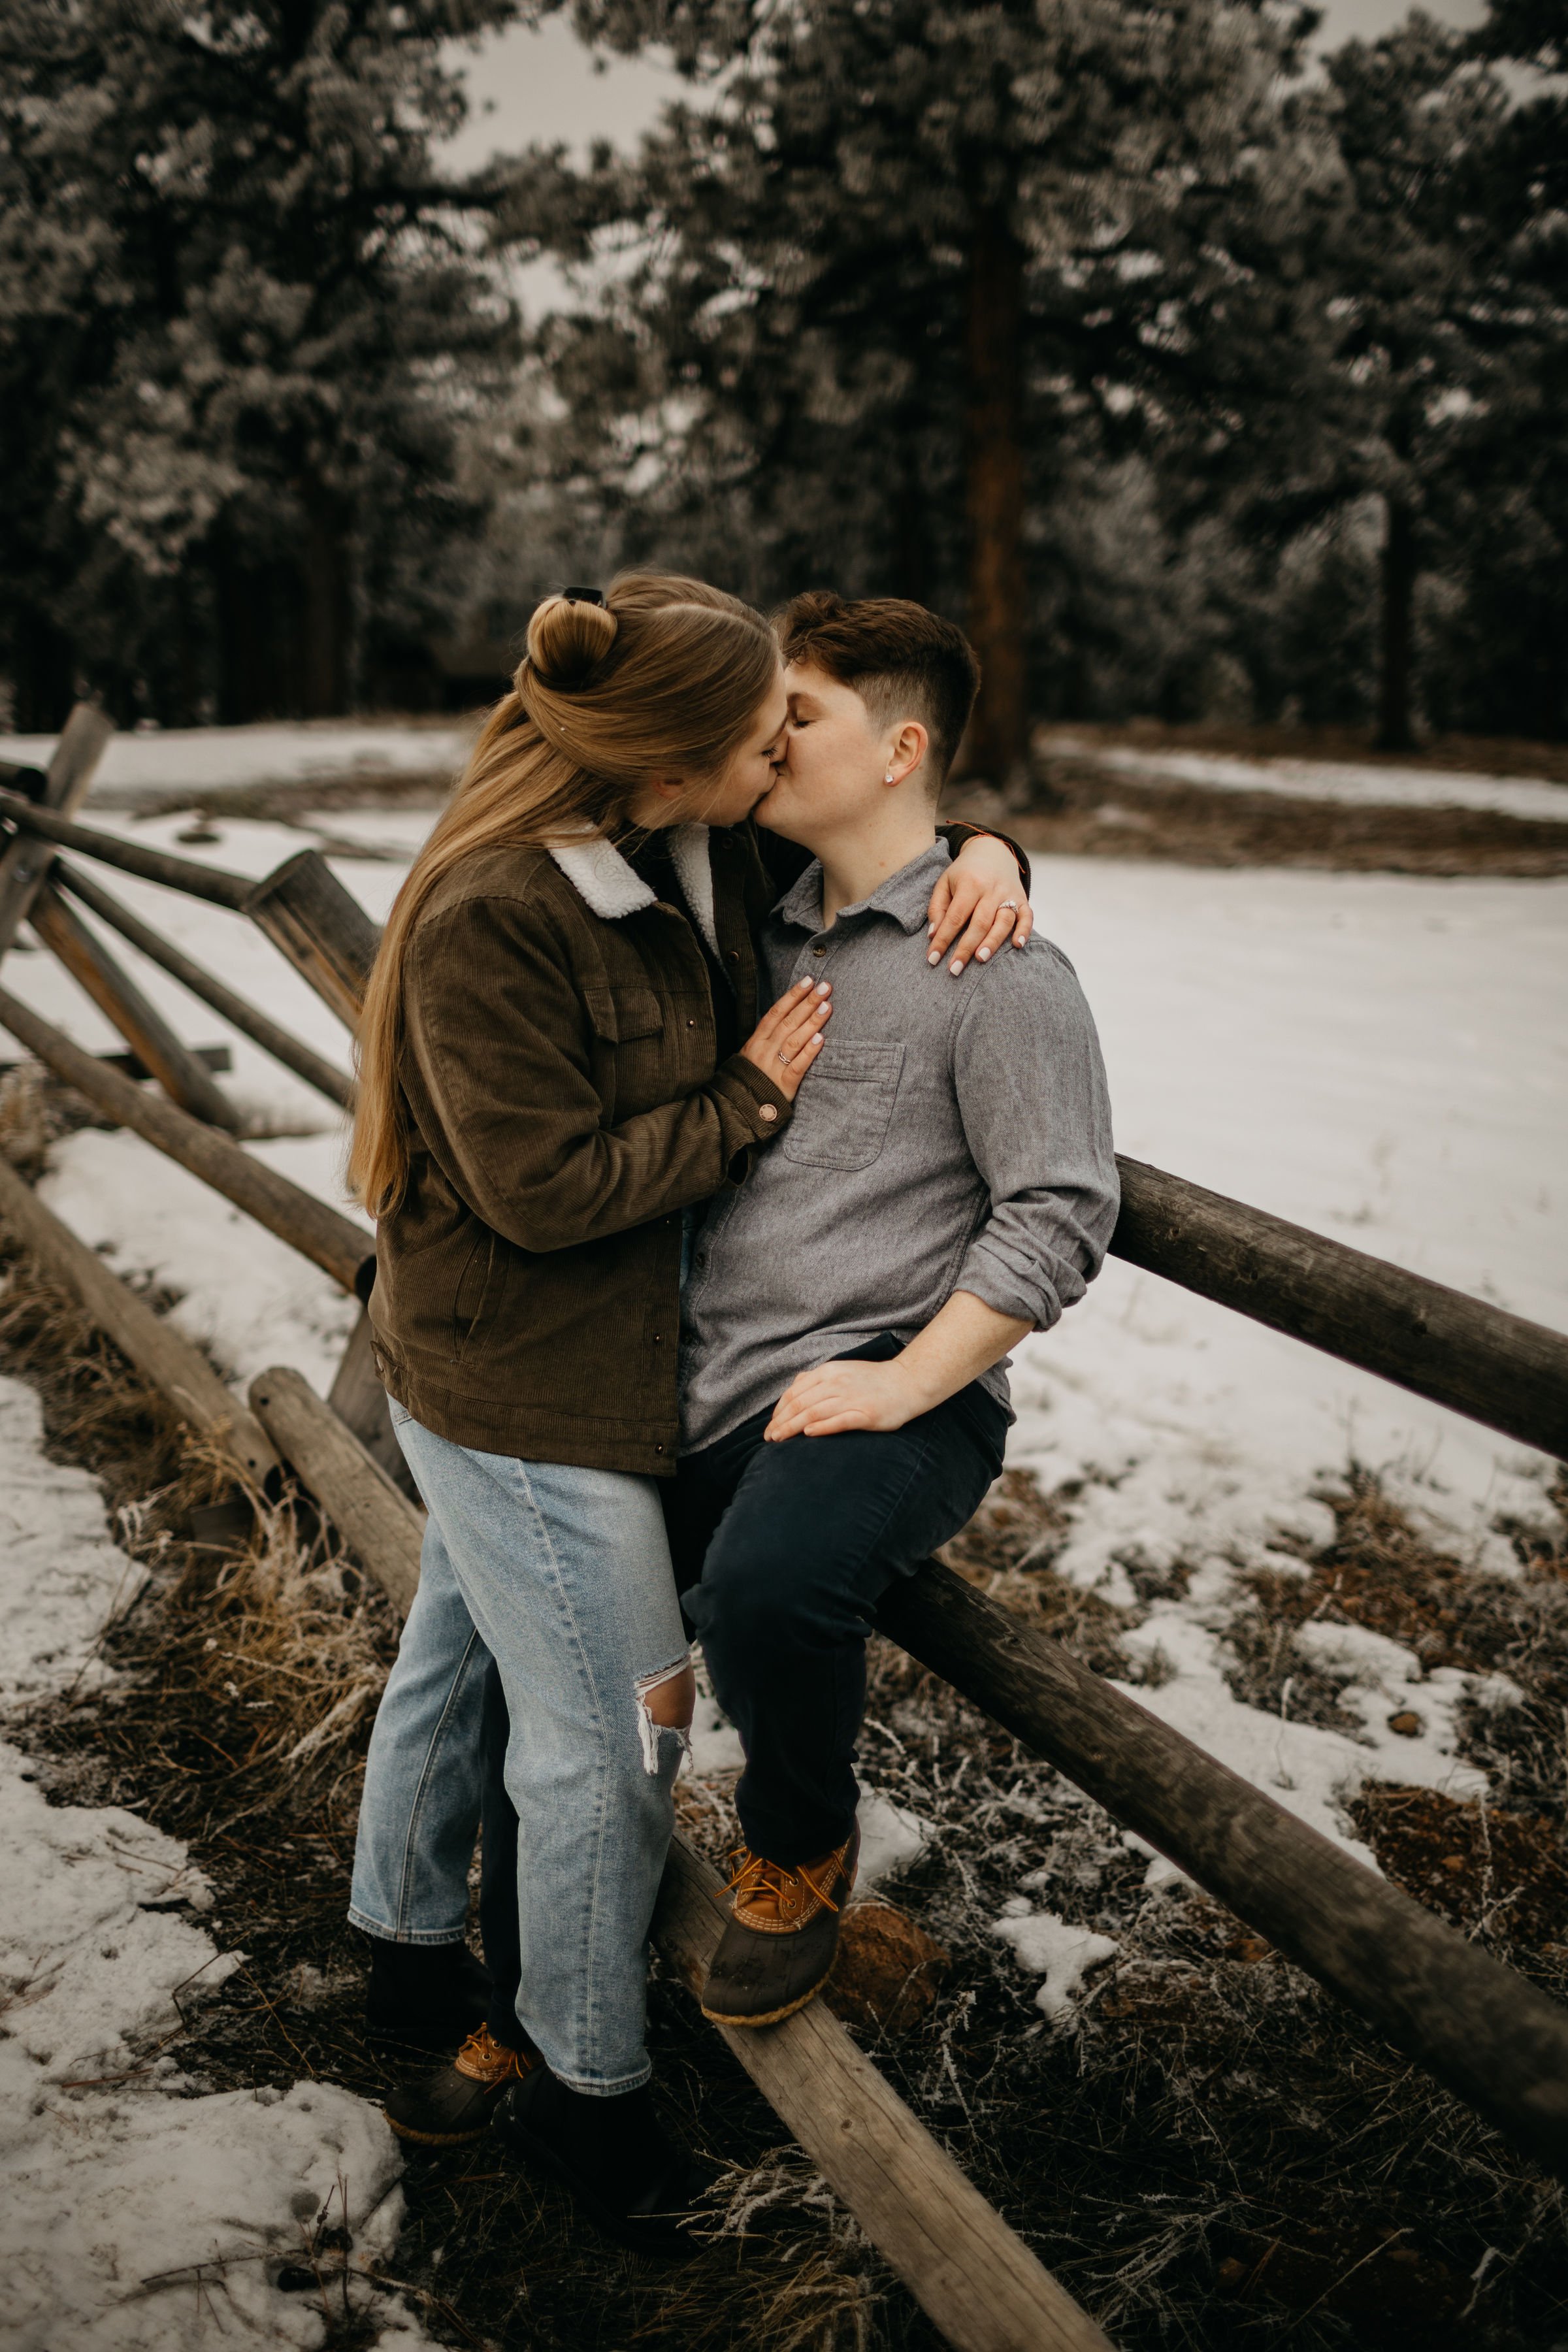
<point x="953" y="1135"/>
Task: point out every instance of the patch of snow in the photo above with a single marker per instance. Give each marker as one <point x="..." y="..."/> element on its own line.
<point x="1311" y="1771"/>
<point x="715" y="1744"/>
<point x="1046" y="1945"/>
<point x="60" y="1577"/>
<point x="892" y="1838"/>
<point x="218" y="759"/>
<point x="1370" y="786"/>
<point x="107" y="2180"/>
<point x="140" y="2222"/>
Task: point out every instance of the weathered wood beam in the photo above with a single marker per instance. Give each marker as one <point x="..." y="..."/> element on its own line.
<point x="291" y="1051"/>
<point x="320" y="928"/>
<point x="69" y="776"/>
<point x="1496" y="1368"/>
<point x="165" y="1360"/>
<point x="382" y="1526"/>
<point x="181" y="1073"/>
<point x="972" y="2276"/>
<point x="209" y="882"/>
<point x="969" y="2272"/>
<point x="332" y="1241"/>
<point x="1492" y="2038"/>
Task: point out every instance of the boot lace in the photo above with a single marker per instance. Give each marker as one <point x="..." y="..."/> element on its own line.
<point x="760" y="1885"/>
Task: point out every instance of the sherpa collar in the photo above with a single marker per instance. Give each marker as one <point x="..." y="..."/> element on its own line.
<point x="612" y="888"/>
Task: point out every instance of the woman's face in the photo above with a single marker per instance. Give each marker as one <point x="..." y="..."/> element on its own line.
<point x="736" y="792"/>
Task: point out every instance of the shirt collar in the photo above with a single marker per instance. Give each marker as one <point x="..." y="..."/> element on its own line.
<point x="905" y="896"/>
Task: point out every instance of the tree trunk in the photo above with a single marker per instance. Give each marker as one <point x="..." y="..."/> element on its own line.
<point x="326" y="610"/>
<point x="999" y="738"/>
<point x="1394" y="728"/>
<point x="46" y="675"/>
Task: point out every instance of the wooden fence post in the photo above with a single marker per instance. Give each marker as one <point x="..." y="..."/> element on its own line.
<point x="26" y="859"/>
<point x="283" y="1047"/>
<point x="320" y="928"/>
<point x="183" y="1078"/>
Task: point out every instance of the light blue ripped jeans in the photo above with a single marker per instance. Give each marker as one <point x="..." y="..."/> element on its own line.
<point x="562" y="1576"/>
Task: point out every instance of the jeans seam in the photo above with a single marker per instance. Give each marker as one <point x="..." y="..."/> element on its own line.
<point x="589" y="2009"/>
<point x="416" y="1810"/>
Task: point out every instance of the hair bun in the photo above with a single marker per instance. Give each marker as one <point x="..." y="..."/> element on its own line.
<point x="567" y="641"/>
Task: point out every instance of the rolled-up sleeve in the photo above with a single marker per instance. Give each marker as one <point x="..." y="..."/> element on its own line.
<point x="1036" y="1114"/>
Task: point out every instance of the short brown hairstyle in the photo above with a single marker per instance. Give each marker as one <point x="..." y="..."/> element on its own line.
<point x="895" y="656"/>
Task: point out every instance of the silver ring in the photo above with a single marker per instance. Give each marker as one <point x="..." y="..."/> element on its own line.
<point x="1011" y="902"/>
<point x="783" y="1055"/>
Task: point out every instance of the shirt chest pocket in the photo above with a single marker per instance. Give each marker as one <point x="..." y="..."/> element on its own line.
<point x="845" y="1107"/>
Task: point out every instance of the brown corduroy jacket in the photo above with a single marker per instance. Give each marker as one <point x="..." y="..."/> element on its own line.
<point x="563" y="1108"/>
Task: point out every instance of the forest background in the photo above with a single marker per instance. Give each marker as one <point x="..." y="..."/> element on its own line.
<point x="1200" y="373"/>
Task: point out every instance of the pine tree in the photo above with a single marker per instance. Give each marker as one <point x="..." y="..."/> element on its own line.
<point x="240" y="314"/>
<point x="880" y="294"/>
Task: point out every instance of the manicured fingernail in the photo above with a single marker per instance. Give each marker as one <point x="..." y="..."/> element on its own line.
<point x="957" y="965"/>
<point x="982" y="955"/>
<point x="935" y="957"/>
<point x="823" y="986"/>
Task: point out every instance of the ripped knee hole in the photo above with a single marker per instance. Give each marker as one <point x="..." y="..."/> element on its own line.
<point x="665" y="1702"/>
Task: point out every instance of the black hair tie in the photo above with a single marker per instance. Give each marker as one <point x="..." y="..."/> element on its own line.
<point x="584" y="595"/>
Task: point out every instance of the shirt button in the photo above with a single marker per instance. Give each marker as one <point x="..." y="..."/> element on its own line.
<point x="767" y="1112"/>
<point x="819" y="951"/>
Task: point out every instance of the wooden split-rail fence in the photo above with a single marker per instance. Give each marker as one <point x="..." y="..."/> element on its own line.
<point x="1479" y="2027"/>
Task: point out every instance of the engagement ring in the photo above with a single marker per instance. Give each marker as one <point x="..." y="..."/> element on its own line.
<point x="1011" y="902"/>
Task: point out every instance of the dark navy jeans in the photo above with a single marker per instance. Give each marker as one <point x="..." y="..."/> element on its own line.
<point x="782" y="1553"/>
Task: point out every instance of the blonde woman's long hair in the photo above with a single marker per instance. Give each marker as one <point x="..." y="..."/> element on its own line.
<point x="664" y="678"/>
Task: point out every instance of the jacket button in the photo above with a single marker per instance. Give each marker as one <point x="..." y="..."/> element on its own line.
<point x="734" y="955"/>
<point x="819" y="951"/>
<point x="659" y="1449"/>
<point x="692" y="1025"/>
<point x="659" y="1338"/>
<point x="768" y="1112"/>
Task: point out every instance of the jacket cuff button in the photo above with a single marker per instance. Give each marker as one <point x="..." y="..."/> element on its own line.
<point x="766" y="1111"/>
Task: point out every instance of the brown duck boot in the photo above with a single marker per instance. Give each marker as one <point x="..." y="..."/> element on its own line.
<point x="456" y="2104"/>
<point x="782" y="1933"/>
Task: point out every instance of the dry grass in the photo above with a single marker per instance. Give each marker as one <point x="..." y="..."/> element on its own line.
<point x="1211" y="2153"/>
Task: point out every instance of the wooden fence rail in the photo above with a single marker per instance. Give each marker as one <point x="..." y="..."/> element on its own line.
<point x="1480" y="2026"/>
<point x="332" y="1241"/>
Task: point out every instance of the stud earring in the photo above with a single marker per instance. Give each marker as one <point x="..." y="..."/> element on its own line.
<point x="889" y="777"/>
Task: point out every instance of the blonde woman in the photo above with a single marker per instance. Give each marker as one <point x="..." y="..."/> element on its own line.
<point x="560" y="1054"/>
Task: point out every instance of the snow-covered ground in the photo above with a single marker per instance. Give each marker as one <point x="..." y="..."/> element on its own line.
<point x="1374" y="785"/>
<point x="136" y="2214"/>
<point x="1382" y="1058"/>
<point x="219" y="758"/>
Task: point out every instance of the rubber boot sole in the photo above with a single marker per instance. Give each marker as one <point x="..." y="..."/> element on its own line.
<point x="440" y="2139"/>
<point x="774" y="2016"/>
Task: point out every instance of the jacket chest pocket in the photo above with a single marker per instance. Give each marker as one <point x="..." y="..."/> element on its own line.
<point x="845" y="1106"/>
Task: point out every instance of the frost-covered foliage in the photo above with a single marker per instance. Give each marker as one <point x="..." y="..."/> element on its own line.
<point x="240" y="321"/>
